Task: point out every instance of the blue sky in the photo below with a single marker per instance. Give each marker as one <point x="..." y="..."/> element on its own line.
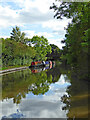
<point x="33" y="17"/>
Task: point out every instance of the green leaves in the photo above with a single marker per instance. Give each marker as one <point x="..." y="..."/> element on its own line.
<point x="17" y="36"/>
<point x="16" y="53"/>
<point x="15" y="50"/>
<point x="77" y="32"/>
<point x="41" y="46"/>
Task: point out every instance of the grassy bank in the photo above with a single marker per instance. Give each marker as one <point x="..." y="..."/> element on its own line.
<point x="9" y="67"/>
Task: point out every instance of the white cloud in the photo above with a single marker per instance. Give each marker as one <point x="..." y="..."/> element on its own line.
<point x="33" y="16"/>
<point x="56" y="25"/>
<point x="49" y="36"/>
<point x="56" y="42"/>
<point x="4" y="37"/>
<point x="7" y="15"/>
<point x="8" y="107"/>
<point x="36" y="11"/>
<point x="62" y="80"/>
<point x="36" y="108"/>
<point x="45" y="34"/>
<point x="48" y="105"/>
<point x="42" y="5"/>
<point x="32" y="12"/>
<point x="30" y="34"/>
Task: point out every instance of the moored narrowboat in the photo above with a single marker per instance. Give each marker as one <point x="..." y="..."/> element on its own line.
<point x="35" y="70"/>
<point x="50" y="64"/>
<point x="53" y="63"/>
<point x="42" y="63"/>
<point x="46" y="63"/>
<point x="36" y="64"/>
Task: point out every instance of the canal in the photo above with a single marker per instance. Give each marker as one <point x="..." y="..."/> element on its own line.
<point x="44" y="93"/>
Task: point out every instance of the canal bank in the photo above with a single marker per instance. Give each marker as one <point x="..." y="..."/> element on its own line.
<point x="12" y="69"/>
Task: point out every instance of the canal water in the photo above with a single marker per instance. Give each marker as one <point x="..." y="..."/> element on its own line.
<point x="43" y="93"/>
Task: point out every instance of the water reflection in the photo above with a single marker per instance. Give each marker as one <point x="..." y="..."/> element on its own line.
<point x="44" y="93"/>
<point x="16" y="85"/>
<point x="29" y="95"/>
<point x="41" y="68"/>
<point x="77" y="100"/>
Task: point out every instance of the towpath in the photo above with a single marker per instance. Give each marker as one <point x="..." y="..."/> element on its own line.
<point x="12" y="69"/>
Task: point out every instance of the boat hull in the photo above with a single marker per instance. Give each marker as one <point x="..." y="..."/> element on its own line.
<point x="41" y="64"/>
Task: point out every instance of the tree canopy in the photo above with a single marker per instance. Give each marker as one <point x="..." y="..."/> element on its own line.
<point x="55" y="54"/>
<point x="18" y="49"/>
<point x="41" y="46"/>
<point x="76" y="38"/>
<point x="17" y="35"/>
<point x="14" y="53"/>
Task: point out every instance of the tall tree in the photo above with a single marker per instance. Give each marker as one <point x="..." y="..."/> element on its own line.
<point x="76" y="38"/>
<point x="17" y="35"/>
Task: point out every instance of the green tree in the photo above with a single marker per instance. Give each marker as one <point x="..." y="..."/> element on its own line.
<point x="55" y="54"/>
<point x="41" y="46"/>
<point x="16" y="53"/>
<point x="76" y="38"/>
<point x="17" y="35"/>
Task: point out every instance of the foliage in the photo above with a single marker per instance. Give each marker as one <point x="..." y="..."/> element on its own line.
<point x="55" y="54"/>
<point x="22" y="82"/>
<point x="41" y="46"/>
<point x="75" y="53"/>
<point x="18" y="50"/>
<point x="14" y="53"/>
<point x="0" y="53"/>
<point x="76" y="38"/>
<point x="17" y="36"/>
<point x="77" y="93"/>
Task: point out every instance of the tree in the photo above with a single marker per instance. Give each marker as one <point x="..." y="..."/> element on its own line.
<point x="55" y="54"/>
<point x="41" y="46"/>
<point x="16" y="53"/>
<point x="17" y="36"/>
<point x="76" y="38"/>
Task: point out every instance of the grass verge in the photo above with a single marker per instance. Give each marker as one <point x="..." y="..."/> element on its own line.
<point x="9" y="67"/>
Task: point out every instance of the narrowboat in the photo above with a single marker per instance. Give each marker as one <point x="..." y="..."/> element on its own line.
<point x="46" y="63"/>
<point x="53" y="63"/>
<point x="42" y="64"/>
<point x="36" y="70"/>
<point x="39" y="69"/>
<point x="37" y="64"/>
<point x="50" y="64"/>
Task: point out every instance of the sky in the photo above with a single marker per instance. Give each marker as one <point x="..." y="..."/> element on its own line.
<point x="34" y="18"/>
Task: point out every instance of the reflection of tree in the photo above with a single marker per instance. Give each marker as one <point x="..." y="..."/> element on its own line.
<point x="40" y="89"/>
<point x="17" y="84"/>
<point x="77" y="101"/>
<point x="42" y="84"/>
<point x="66" y="99"/>
<point x="55" y="72"/>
